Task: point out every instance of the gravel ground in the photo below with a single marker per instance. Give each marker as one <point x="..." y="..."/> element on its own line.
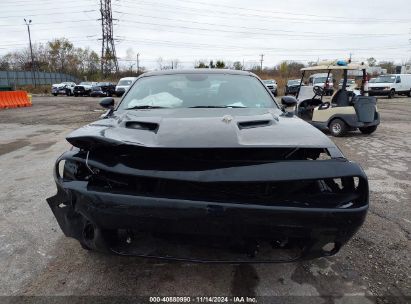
<point x="36" y="259"/>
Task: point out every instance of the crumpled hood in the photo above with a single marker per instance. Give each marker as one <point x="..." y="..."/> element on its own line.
<point x="200" y="128"/>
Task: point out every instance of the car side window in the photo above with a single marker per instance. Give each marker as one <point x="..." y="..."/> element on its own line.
<point x="398" y="79"/>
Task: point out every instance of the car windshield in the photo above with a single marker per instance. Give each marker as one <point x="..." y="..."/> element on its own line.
<point x="320" y="79"/>
<point x="349" y="81"/>
<point x="102" y="84"/>
<point x="85" y="83"/>
<point x="268" y="81"/>
<point x="197" y="90"/>
<point x="125" y="82"/>
<point x="385" y="79"/>
<point x="293" y="82"/>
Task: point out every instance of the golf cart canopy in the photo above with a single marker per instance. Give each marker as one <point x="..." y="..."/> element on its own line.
<point x="349" y="66"/>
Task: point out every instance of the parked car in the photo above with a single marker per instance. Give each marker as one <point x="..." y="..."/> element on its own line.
<point x="83" y="88"/>
<point x="350" y="84"/>
<point x="271" y="84"/>
<point x="123" y="85"/>
<point x="320" y="80"/>
<point x="292" y="86"/>
<point x="102" y="89"/>
<point x="389" y="85"/>
<point x="179" y="165"/>
<point x="65" y="88"/>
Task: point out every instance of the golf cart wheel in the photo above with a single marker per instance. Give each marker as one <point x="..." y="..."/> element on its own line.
<point x="391" y="94"/>
<point x="338" y="128"/>
<point x="368" y="130"/>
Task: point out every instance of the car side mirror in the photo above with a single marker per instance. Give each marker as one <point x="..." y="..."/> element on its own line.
<point x="398" y="81"/>
<point x="289" y="102"/>
<point x="107" y="103"/>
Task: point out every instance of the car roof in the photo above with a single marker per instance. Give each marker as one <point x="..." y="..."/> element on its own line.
<point x="198" y="71"/>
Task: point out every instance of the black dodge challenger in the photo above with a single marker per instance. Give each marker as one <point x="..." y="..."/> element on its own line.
<point x="205" y="166"/>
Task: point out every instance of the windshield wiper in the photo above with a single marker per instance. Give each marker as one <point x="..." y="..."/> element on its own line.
<point x="145" y="107"/>
<point x="217" y="107"/>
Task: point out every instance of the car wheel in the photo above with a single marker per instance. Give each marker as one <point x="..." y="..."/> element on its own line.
<point x="55" y="94"/>
<point x="75" y="95"/>
<point x="391" y="94"/>
<point x="409" y="93"/>
<point x="368" y="130"/>
<point x="338" y="127"/>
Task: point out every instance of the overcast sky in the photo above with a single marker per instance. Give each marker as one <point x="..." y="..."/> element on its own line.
<point x="230" y="30"/>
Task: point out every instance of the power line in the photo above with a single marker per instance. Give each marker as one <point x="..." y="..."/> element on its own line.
<point x="289" y="20"/>
<point x="53" y="22"/>
<point x="273" y="32"/>
<point x="343" y="18"/>
<point x="206" y="29"/>
<point x="50" y="14"/>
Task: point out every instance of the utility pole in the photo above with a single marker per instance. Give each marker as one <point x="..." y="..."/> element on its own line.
<point x="31" y="52"/>
<point x="261" y="61"/>
<point x="138" y="63"/>
<point x="350" y="57"/>
<point x="108" y="51"/>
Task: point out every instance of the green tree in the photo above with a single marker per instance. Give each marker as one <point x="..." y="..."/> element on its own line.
<point x="389" y="65"/>
<point x="220" y="64"/>
<point x="371" y="61"/>
<point x="237" y="65"/>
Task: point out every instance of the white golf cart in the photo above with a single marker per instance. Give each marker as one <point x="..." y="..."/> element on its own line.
<point x="348" y="110"/>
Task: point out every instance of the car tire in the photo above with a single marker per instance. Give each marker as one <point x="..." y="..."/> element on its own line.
<point x="409" y="93"/>
<point x="55" y="94"/>
<point x="391" y="94"/>
<point x="338" y="127"/>
<point x="75" y="95"/>
<point x="368" y="130"/>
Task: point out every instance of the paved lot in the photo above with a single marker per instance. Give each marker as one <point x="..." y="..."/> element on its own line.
<point x="36" y="259"/>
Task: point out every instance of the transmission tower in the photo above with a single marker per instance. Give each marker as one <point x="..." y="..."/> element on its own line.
<point x="108" y="51"/>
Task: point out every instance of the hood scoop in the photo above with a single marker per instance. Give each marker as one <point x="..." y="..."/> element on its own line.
<point x="140" y="125"/>
<point x="254" y="124"/>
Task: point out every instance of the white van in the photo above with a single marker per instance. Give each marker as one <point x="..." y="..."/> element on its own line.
<point x="389" y="85"/>
<point x="123" y="85"/>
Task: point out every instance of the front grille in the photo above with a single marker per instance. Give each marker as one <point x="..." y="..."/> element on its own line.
<point x="78" y="88"/>
<point x="320" y="193"/>
<point x="377" y="88"/>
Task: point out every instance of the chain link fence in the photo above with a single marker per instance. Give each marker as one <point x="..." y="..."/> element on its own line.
<point x="21" y="78"/>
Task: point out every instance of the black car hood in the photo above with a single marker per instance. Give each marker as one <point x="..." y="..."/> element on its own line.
<point x="200" y="128"/>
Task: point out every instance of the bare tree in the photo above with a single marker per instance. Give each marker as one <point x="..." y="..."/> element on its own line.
<point x="160" y="63"/>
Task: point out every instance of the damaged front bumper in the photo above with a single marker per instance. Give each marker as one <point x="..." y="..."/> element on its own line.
<point x="272" y="212"/>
